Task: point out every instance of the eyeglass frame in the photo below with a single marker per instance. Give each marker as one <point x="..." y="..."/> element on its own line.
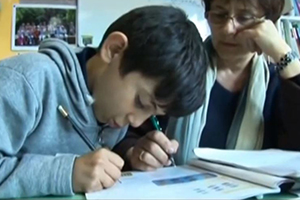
<point x="233" y="18"/>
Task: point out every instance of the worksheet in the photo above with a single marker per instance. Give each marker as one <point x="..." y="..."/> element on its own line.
<point x="181" y="182"/>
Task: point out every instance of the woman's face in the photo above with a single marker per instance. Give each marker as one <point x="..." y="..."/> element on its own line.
<point x="226" y="18"/>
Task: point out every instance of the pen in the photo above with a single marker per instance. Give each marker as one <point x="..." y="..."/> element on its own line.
<point x="156" y="124"/>
<point x="66" y="115"/>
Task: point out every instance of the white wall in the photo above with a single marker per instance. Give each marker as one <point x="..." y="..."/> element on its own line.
<point x="94" y="16"/>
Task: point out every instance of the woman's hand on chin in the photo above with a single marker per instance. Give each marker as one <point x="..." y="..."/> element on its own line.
<point x="263" y="37"/>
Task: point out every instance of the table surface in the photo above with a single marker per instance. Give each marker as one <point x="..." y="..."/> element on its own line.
<point x="282" y="196"/>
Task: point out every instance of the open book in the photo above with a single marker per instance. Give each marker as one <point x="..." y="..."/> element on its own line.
<point x="270" y="168"/>
<point x="271" y="161"/>
<point x="215" y="174"/>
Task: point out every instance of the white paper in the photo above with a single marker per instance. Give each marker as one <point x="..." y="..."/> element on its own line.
<point x="271" y="161"/>
<point x="144" y="185"/>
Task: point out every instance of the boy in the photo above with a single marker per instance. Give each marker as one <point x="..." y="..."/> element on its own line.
<point x="151" y="61"/>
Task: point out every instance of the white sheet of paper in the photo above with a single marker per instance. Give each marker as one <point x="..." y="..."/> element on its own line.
<point x="271" y="161"/>
<point x="187" y="183"/>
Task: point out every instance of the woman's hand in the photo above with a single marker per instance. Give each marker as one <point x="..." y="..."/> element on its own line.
<point x="264" y="37"/>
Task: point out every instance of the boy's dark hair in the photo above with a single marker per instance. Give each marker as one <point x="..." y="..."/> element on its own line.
<point x="272" y="8"/>
<point x="165" y="45"/>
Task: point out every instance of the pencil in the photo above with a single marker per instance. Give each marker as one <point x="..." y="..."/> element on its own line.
<point x="156" y="124"/>
<point x="66" y="115"/>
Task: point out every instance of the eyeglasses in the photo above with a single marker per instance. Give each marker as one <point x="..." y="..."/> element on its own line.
<point x="222" y="18"/>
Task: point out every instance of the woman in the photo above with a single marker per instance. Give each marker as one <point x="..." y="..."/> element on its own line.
<point x="250" y="102"/>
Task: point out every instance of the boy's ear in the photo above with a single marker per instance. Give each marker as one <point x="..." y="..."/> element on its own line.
<point x="114" y="44"/>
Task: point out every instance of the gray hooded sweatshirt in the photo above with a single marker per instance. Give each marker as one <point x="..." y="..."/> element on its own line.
<point x="37" y="145"/>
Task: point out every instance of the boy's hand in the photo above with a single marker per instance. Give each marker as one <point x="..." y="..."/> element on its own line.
<point x="151" y="151"/>
<point x="97" y="170"/>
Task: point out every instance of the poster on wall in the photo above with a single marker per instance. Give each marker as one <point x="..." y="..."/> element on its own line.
<point x="34" y="23"/>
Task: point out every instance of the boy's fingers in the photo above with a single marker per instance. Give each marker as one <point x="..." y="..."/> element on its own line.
<point x="162" y="140"/>
<point x="174" y="145"/>
<point x="149" y="159"/>
<point x="112" y="157"/>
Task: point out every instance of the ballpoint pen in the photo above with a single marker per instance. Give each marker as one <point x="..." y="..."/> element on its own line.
<point x="156" y="124"/>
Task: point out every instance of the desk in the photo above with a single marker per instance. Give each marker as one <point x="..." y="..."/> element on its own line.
<point x="78" y="197"/>
<point x="283" y="196"/>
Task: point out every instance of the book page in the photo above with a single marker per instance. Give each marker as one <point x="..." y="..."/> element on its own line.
<point x="182" y="182"/>
<point x="272" y="161"/>
<point x="242" y="174"/>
